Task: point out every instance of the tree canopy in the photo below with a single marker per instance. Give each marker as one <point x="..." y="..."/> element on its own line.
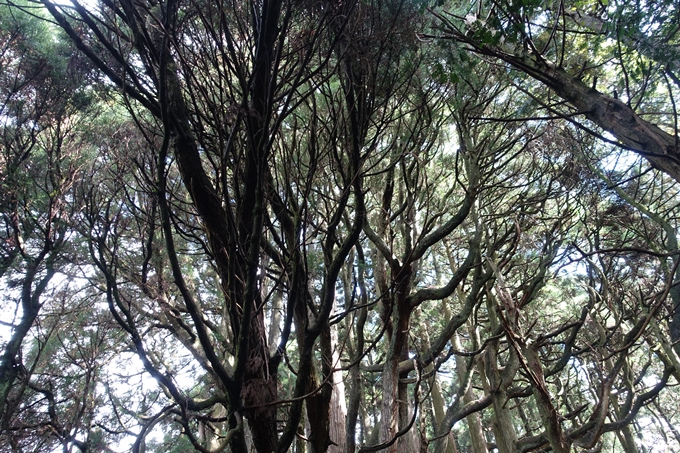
<point x="339" y="226"/>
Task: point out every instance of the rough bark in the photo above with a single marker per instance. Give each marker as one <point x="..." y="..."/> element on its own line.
<point x="499" y="379"/>
<point x="503" y="427"/>
<point x="338" y="415"/>
<point x="390" y="406"/>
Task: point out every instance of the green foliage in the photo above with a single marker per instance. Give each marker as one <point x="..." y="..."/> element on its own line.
<point x="172" y="442"/>
<point x="363" y="218"/>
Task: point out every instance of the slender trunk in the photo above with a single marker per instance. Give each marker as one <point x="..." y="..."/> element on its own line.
<point x="438" y="404"/>
<point x="30" y="304"/>
<point x="549" y="416"/>
<point x="355" y="371"/>
<point x="473" y="421"/>
<point x="338" y="407"/>
<point x="625" y="433"/>
<point x="374" y="436"/>
<point x="438" y="407"/>
<point x="275" y="322"/>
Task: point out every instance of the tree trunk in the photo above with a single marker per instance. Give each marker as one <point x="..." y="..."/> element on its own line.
<point x="549" y="416"/>
<point x="474" y="421"/>
<point x="409" y="442"/>
<point x="503" y="427"/>
<point x="358" y="345"/>
<point x="500" y="378"/>
<point x="438" y="406"/>
<point x="504" y="430"/>
<point x="338" y="407"/>
<point x="617" y="118"/>
<point x="396" y="401"/>
<point x="259" y="389"/>
<point x="390" y="406"/>
<point x="651" y="142"/>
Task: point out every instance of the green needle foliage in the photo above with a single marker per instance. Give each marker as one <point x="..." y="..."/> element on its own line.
<point x="339" y="226"/>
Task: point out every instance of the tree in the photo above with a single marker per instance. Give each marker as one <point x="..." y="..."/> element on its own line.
<point x="536" y="40"/>
<point x="307" y="228"/>
<point x="42" y="96"/>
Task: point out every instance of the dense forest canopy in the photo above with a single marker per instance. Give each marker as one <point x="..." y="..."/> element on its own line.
<point x="339" y="225"/>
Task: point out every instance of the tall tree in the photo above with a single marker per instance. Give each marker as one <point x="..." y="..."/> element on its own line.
<point x="43" y="103"/>
<point x="305" y="227"/>
<point x="547" y="43"/>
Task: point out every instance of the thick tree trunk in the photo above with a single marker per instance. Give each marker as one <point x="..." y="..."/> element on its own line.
<point x="9" y="368"/>
<point x="390" y="405"/>
<point x="396" y="401"/>
<point x="500" y="377"/>
<point x="259" y="390"/>
<point x="317" y="410"/>
<point x="627" y="439"/>
<point x="503" y="427"/>
<point x="617" y="118"/>
<point x="409" y="442"/>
